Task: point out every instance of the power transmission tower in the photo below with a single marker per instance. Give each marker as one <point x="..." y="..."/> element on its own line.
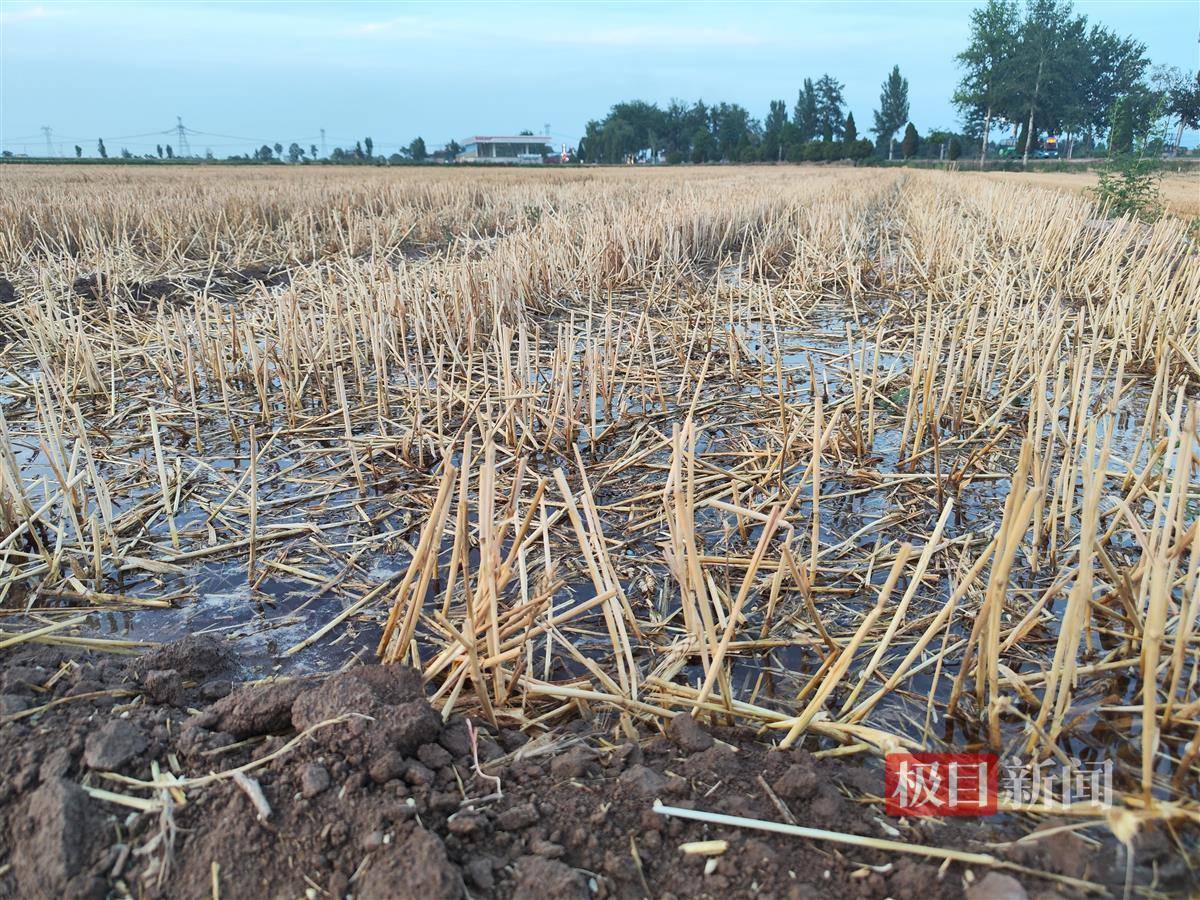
<point x="48" y="132"/>
<point x="181" y="141"/>
<point x="323" y="153"/>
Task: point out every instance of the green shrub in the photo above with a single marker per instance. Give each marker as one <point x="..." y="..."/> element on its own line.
<point x="1130" y="187"/>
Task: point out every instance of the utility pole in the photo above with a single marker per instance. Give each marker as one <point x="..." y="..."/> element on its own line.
<point x="181" y="141"/>
<point x="49" y="133"/>
<point x="324" y="155"/>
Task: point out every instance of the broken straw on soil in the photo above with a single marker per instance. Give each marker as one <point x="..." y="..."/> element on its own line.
<point x="855" y="462"/>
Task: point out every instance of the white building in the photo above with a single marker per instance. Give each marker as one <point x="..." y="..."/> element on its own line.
<point x="523" y="148"/>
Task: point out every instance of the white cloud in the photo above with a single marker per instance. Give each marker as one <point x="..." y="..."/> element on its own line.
<point x="665" y="36"/>
<point x="28" y="14"/>
<point x="407" y="26"/>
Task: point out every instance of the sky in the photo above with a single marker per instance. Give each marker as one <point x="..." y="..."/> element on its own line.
<point x="248" y="73"/>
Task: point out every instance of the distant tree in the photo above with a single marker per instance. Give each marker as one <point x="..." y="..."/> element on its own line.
<point x="1133" y="117"/>
<point x="338" y="155"/>
<point x="78" y="152"/>
<point x="279" y="150"/>
<point x="989" y="65"/>
<point x="1109" y="68"/>
<point x="860" y="149"/>
<point x="170" y="152"/>
<point x="158" y="147"/>
<point x="101" y="149"/>
<point x="295" y="152"/>
<point x="1183" y="103"/>
<point x="850" y="130"/>
<point x="453" y="148"/>
<point x="704" y="146"/>
<point x="208" y="154"/>
<point x="777" y="120"/>
<point x="312" y="151"/>
<point x="954" y="149"/>
<point x="263" y="154"/>
<point x="1050" y="60"/>
<point x="416" y="149"/>
<point x="910" y="143"/>
<point x="830" y="123"/>
<point x="370" y="145"/>
<point x="732" y="127"/>
<point x="893" y="109"/>
<point x="125" y="154"/>
<point x="805" y="113"/>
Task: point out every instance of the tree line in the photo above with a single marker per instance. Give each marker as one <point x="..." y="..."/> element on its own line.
<point x="1040" y="69"/>
<point x="817" y="127"/>
<point x="1043" y="69"/>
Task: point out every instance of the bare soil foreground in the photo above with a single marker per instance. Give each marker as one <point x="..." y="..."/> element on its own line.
<point x="496" y="507"/>
<point x="352" y="784"/>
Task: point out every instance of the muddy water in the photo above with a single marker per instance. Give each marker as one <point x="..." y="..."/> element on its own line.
<point x="864" y="507"/>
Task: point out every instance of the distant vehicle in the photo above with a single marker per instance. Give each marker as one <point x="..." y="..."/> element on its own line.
<point x="1047" y="149"/>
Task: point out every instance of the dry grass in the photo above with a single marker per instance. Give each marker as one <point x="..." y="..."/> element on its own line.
<point x="1180" y="190"/>
<point x="852" y="455"/>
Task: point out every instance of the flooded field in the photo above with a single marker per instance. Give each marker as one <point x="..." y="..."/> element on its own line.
<point x="867" y="460"/>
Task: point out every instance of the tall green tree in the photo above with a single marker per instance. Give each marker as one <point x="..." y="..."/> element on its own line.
<point x="850" y="131"/>
<point x="734" y="130"/>
<point x="78" y="152"/>
<point x="805" y="113"/>
<point x="830" y="123"/>
<point x="1115" y="66"/>
<point x="893" y="109"/>
<point x="101" y="149"/>
<point x="911" y="141"/>
<point x="1183" y="102"/>
<point x="1133" y="117"/>
<point x="645" y="125"/>
<point x="831" y="101"/>
<point x="704" y="146"/>
<point x="1050" y="56"/>
<point x="988" y="64"/>
<point x="370" y="146"/>
<point x="773" y="127"/>
<point x="416" y="149"/>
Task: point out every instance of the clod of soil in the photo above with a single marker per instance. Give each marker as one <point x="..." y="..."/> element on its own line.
<point x="371" y="794"/>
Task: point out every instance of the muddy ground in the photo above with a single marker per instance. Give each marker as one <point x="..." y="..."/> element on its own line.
<point x="364" y="791"/>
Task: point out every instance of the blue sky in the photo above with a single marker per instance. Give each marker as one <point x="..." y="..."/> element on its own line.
<point x="281" y="71"/>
